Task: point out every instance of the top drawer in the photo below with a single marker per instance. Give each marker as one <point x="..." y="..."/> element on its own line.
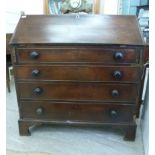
<point x="77" y="55"/>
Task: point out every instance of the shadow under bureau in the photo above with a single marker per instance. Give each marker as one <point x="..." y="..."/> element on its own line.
<point x="79" y="71"/>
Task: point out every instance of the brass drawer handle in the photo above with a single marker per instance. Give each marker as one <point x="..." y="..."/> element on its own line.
<point x="37" y="91"/>
<point x="118" y="56"/>
<point x="34" y="55"/>
<point x="40" y="111"/>
<point x="35" y="72"/>
<point x="117" y="75"/>
<point x="115" y="93"/>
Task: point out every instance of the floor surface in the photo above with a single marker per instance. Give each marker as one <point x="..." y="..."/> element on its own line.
<point x="57" y="140"/>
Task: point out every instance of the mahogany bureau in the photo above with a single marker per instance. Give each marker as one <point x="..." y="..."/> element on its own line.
<point x="79" y="70"/>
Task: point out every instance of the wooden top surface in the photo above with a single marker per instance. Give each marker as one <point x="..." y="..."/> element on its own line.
<point x="70" y="29"/>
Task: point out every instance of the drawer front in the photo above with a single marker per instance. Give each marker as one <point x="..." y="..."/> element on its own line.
<point x="91" y="73"/>
<point x="77" y="91"/>
<point x="106" y="113"/>
<point x="78" y="55"/>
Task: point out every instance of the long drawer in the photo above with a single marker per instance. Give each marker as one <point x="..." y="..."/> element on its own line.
<point x="77" y="91"/>
<point x="74" y="72"/>
<point x="77" y="55"/>
<point x="109" y="113"/>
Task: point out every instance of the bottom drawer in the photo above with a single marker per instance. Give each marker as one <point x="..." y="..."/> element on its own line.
<point x="81" y="112"/>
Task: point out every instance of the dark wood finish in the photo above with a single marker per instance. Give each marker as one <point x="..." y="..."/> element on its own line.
<point x="78" y="71"/>
<point x="77" y="91"/>
<point x="36" y="122"/>
<point x="8" y="59"/>
<point x="78" y="55"/>
<point x="130" y="132"/>
<point x="7" y="77"/>
<point x="78" y="112"/>
<point x="146" y="53"/>
<point x="24" y="128"/>
<point x="92" y="29"/>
